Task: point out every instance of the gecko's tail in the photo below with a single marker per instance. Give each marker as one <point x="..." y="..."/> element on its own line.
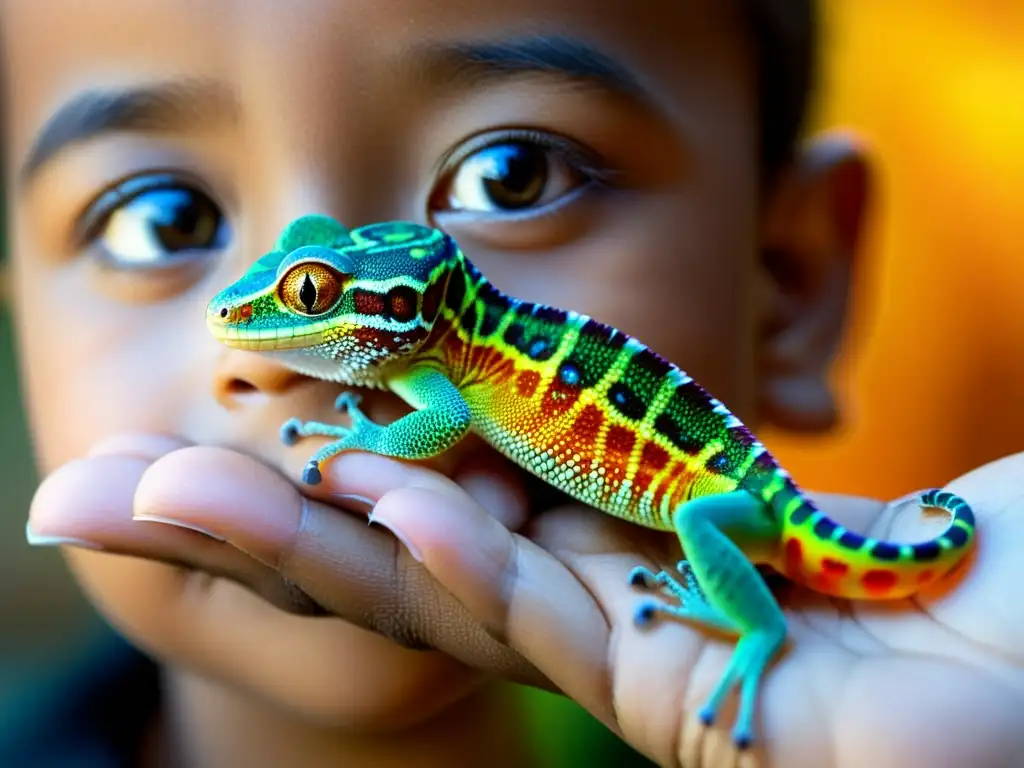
<point x="829" y="558"/>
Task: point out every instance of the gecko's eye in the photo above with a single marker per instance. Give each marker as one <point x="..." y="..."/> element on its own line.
<point x="310" y="289"/>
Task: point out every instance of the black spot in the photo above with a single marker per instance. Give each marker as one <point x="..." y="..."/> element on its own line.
<point x="626" y="402"/>
<point x="569" y="374"/>
<point x="603" y="333"/>
<point x="307" y="293"/>
<point x="496" y="307"/>
<point x="956" y="536"/>
<point x="824" y="528"/>
<point x="514" y="334"/>
<point x="456" y="293"/>
<point x="719" y="463"/>
<point x="540" y="349"/>
<point x="693" y="397"/>
<point x="926" y="551"/>
<point x="883" y="550"/>
<point x="679" y="437"/>
<point x="801" y="514"/>
<point x="551" y="315"/>
<point x="468" y="320"/>
<point x="652" y="362"/>
<point x="851" y="540"/>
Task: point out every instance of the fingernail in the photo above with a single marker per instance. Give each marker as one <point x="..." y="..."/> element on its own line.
<point x="360" y="503"/>
<point x="38" y="540"/>
<point x="177" y="524"/>
<point x="416" y="554"/>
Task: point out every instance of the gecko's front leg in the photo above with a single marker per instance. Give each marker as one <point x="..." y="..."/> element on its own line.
<point x="442" y="419"/>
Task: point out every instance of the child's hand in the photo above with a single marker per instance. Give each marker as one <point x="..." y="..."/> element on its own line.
<point x="860" y="684"/>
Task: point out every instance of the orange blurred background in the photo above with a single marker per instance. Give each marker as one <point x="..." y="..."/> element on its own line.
<point x="932" y="374"/>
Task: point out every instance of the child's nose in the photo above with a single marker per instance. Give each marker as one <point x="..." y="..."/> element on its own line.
<point x="242" y="377"/>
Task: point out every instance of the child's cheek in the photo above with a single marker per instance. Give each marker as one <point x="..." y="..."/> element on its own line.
<point x="93" y="367"/>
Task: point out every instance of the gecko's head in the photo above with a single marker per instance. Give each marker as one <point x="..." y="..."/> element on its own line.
<point x="335" y="303"/>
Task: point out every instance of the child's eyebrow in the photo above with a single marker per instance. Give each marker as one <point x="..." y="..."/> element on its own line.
<point x="151" y="107"/>
<point x="554" y="55"/>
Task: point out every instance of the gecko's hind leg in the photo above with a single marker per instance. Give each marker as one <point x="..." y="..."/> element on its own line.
<point x="730" y="595"/>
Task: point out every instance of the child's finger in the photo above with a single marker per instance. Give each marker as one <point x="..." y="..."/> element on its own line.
<point x="352" y="569"/>
<point x="523" y="594"/>
<point x="87" y="504"/>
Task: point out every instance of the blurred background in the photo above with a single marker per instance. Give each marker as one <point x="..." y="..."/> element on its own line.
<point x="936" y="346"/>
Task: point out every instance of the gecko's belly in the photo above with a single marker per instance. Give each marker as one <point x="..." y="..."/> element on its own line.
<point x="617" y="469"/>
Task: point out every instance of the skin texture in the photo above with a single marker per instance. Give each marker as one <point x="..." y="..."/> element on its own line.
<point x="580" y="405"/>
<point x="163" y="422"/>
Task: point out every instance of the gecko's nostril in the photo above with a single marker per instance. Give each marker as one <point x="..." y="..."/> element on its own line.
<point x="224" y="312"/>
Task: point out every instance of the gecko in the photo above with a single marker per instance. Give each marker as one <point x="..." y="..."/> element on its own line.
<point x="583" y="406"/>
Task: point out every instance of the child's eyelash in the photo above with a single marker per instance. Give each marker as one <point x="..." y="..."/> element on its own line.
<point x="582" y="159"/>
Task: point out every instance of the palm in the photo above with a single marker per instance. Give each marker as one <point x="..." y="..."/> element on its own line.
<point x="859" y="683"/>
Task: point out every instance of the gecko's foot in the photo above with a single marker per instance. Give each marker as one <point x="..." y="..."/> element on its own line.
<point x="311" y="474"/>
<point x="685" y="591"/>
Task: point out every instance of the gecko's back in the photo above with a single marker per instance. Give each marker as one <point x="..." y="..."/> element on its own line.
<point x="589" y="409"/>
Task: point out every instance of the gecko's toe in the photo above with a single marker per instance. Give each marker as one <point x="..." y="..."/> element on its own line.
<point x="640" y="577"/>
<point x="645" y="613"/>
<point x="742" y="740"/>
<point x="707" y="717"/>
<point x="347" y="401"/>
<point x="290" y="432"/>
<point x="311" y="474"/>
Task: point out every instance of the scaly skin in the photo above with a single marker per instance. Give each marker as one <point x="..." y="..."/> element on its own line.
<point x="583" y="406"/>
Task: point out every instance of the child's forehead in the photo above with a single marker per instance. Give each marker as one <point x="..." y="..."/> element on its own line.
<point x="312" y="44"/>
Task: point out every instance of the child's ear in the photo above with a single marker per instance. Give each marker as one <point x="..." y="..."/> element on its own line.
<point x="813" y="222"/>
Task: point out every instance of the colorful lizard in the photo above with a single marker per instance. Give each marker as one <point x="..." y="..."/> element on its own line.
<point x="583" y="406"/>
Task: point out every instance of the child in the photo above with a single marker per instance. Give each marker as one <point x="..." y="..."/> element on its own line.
<point x="155" y="154"/>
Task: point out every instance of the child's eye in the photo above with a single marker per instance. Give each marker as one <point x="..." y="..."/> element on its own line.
<point x="154" y="221"/>
<point x="515" y="174"/>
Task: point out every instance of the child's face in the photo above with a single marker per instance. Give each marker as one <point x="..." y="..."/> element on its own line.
<point x="622" y="184"/>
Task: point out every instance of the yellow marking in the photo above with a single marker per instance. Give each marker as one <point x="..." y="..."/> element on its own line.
<point x="417" y="253"/>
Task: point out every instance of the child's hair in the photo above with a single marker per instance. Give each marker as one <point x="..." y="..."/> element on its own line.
<point x="784" y="34"/>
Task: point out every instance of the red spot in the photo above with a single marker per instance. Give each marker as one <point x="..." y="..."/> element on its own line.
<point x="368" y="302"/>
<point x="620" y="441"/>
<point x="878" y="581"/>
<point x="526" y="383"/>
<point x="925" y="576"/>
<point x="834" y="568"/>
<point x="653" y="459"/>
<point x="654" y="456"/>
<point x="558" y="398"/>
<point x="588" y="424"/>
<point x="402" y="303"/>
<point x="245" y="311"/>
<point x="794" y="559"/>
